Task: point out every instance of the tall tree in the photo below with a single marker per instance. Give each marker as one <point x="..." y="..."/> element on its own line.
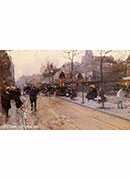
<point x="71" y="55"/>
<point x="49" y="70"/>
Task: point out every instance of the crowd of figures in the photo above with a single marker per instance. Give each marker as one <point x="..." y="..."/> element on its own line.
<point x="96" y="95"/>
<point x="99" y="95"/>
<point x="10" y="94"/>
<point x="18" y="97"/>
<point x="13" y="94"/>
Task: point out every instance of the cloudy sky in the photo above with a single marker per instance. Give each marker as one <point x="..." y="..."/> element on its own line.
<point x="29" y="62"/>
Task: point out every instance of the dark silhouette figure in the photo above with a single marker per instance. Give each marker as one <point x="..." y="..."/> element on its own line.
<point x="6" y="102"/>
<point x="33" y="98"/>
<point x="17" y="95"/>
<point x="92" y="94"/>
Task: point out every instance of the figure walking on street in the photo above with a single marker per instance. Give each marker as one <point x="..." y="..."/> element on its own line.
<point x="6" y="102"/>
<point x="17" y="96"/>
<point x="101" y="99"/>
<point x="121" y="94"/>
<point x="33" y="98"/>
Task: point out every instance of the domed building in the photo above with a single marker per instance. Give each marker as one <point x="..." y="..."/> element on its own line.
<point x="89" y="65"/>
<point x="88" y="58"/>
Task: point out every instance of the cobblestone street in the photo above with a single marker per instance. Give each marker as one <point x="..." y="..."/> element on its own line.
<point x="57" y="114"/>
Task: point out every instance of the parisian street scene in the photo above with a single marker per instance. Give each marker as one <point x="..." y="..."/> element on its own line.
<point x="64" y="90"/>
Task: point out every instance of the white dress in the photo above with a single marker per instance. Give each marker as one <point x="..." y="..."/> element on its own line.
<point x="121" y="95"/>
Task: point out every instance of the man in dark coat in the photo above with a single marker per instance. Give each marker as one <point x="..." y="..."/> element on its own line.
<point x="33" y="98"/>
<point x="6" y="102"/>
<point x="17" y="94"/>
<point x="92" y="93"/>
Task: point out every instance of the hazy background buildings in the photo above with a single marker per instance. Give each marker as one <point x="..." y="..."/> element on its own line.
<point x="29" y="62"/>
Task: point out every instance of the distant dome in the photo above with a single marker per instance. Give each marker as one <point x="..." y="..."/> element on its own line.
<point x="88" y="57"/>
<point x="89" y="53"/>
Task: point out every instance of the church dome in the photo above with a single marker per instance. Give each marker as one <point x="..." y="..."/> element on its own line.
<point x="88" y="57"/>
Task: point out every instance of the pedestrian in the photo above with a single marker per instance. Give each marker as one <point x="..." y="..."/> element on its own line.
<point x="121" y="94"/>
<point x="55" y="90"/>
<point x="101" y="98"/>
<point x="73" y="93"/>
<point x="33" y="98"/>
<point x="49" y="90"/>
<point x="6" y="102"/>
<point x="17" y="95"/>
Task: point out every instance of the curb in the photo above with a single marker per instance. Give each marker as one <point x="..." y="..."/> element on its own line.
<point x="95" y="109"/>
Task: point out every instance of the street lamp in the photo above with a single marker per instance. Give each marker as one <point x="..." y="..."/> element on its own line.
<point x="71" y="55"/>
<point x="81" y="80"/>
<point x="102" y="76"/>
<point x="83" y="91"/>
<point x="51" y="74"/>
<point x="50" y="71"/>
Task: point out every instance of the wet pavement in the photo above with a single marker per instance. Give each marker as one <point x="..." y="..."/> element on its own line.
<point x="110" y="106"/>
<point x="55" y="113"/>
<point x="21" y="119"/>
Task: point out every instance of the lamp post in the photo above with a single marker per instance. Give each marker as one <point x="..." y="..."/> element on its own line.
<point x="81" y="79"/>
<point x="102" y="75"/>
<point x="83" y="91"/>
<point x="50" y="70"/>
<point x="51" y="74"/>
<point x="71" y="55"/>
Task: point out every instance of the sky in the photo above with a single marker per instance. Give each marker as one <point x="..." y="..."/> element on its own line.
<point x="28" y="62"/>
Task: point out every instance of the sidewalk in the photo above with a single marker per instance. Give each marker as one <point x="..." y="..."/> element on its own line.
<point x="110" y="106"/>
<point x="17" y="120"/>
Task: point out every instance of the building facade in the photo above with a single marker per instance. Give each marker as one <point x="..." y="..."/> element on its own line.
<point x="7" y="76"/>
<point x="6" y="70"/>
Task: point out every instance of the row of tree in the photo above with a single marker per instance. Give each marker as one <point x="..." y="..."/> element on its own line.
<point x="115" y="72"/>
